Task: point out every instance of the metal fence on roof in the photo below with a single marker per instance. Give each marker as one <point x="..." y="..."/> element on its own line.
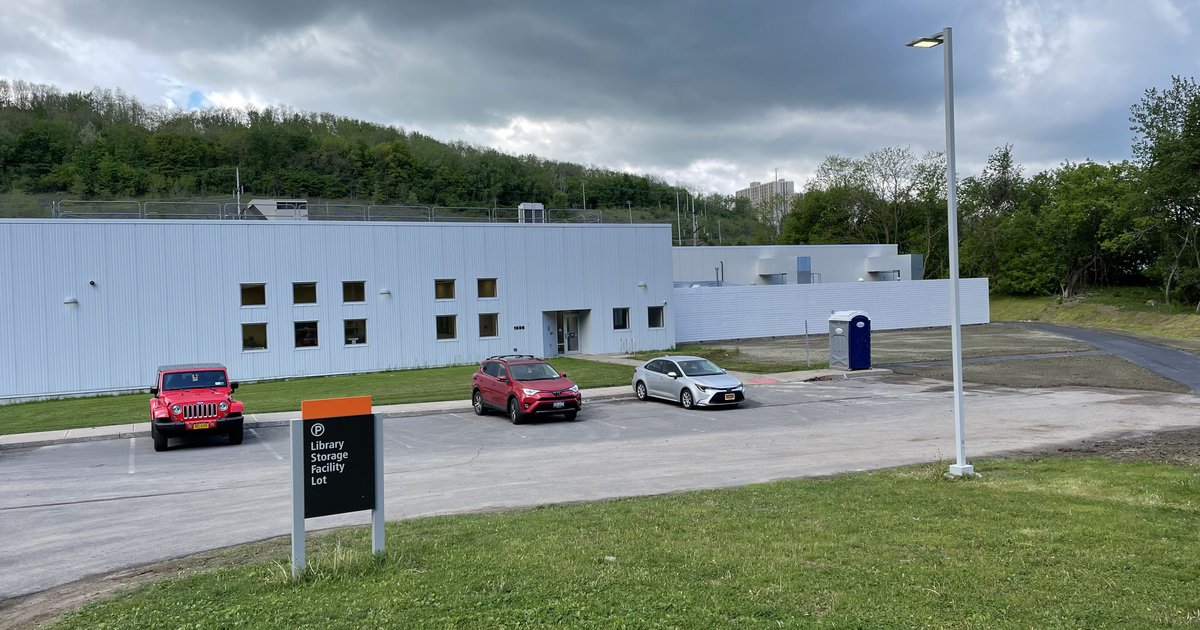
<point x="312" y="211"/>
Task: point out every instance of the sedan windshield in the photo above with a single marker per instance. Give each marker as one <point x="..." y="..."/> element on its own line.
<point x="532" y="372"/>
<point x="191" y="380"/>
<point x="699" y="367"/>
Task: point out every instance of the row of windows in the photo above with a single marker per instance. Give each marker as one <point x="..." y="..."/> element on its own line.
<point x="355" y="291"/>
<point x="354" y="331"/>
<point x="307" y="334"/>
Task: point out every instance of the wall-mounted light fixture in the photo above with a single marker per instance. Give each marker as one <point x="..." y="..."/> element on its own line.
<point x="385" y="292"/>
<point x="641" y="285"/>
<point x="92" y="283"/>
<point x="71" y="301"/>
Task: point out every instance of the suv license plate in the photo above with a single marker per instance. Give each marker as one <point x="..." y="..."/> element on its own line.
<point x="558" y="404"/>
<point x="730" y="397"/>
<point x="199" y="425"/>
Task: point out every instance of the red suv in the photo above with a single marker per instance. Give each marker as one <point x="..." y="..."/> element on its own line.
<point x="192" y="400"/>
<point x="522" y="386"/>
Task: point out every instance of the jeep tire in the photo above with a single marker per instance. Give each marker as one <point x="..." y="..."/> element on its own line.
<point x="235" y="436"/>
<point x="160" y="440"/>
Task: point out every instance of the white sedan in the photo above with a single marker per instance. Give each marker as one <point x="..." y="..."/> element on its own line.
<point x="690" y="381"/>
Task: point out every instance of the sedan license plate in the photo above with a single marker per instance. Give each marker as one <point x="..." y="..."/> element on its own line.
<point x="559" y="404"/>
<point x="199" y="425"/>
<point x="729" y="396"/>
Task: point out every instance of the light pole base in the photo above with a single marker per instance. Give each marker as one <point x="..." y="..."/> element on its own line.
<point x="962" y="470"/>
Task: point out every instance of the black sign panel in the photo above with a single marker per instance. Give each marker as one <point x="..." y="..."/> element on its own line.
<point x="339" y="465"/>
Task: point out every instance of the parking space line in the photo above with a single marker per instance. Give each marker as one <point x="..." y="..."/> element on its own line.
<point x="265" y="444"/>
<point x="397" y="441"/>
<point x="131" y="452"/>
<point x="610" y="424"/>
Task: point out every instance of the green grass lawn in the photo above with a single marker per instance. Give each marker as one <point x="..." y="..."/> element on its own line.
<point x="1052" y="543"/>
<point x="384" y="388"/>
<point x="733" y="359"/>
<point x="1128" y="309"/>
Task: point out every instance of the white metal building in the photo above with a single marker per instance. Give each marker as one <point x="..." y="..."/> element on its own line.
<point x="793" y="264"/>
<point x="95" y="305"/>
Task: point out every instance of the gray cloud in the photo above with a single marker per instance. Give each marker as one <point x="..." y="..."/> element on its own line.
<point x="713" y="92"/>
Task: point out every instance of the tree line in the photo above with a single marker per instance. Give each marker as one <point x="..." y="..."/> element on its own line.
<point x="1055" y="232"/>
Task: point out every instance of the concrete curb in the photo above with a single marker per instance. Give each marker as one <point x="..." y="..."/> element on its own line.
<point x="281" y="418"/>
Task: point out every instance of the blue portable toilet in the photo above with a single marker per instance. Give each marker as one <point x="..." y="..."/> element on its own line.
<point x="850" y="340"/>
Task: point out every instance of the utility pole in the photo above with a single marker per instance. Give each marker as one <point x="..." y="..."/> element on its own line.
<point x="629" y="206"/>
<point x="584" y="182"/>
<point x="692" y="201"/>
<point x="237" y="191"/>
<point x="678" y="224"/>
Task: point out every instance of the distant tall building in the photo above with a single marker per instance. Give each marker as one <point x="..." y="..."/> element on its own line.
<point x="759" y="193"/>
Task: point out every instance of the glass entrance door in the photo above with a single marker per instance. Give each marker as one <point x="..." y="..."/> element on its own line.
<point x="568" y="332"/>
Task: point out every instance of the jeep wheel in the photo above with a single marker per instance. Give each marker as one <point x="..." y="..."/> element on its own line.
<point x="235" y="436"/>
<point x="640" y="390"/>
<point x="514" y="411"/>
<point x="686" y="399"/>
<point x="477" y="403"/>
<point x="160" y="440"/>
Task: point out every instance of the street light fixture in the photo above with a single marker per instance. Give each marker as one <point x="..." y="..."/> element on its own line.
<point x="960" y="468"/>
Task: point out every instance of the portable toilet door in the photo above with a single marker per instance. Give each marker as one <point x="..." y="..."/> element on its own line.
<point x="859" y="341"/>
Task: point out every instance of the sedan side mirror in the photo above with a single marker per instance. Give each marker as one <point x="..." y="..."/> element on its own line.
<point x="154" y="392"/>
<point x="672" y="375"/>
<point x="233" y="386"/>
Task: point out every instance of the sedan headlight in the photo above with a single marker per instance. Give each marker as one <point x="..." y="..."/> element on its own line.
<point x="223" y="406"/>
<point x="530" y="392"/>
<point x="176" y="410"/>
<point x="574" y="388"/>
<point x="702" y="387"/>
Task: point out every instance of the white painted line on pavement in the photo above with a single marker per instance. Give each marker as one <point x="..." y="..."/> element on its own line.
<point x="611" y="424"/>
<point x="265" y="444"/>
<point x="131" y="452"/>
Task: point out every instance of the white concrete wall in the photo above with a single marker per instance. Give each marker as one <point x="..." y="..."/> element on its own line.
<point x="168" y="292"/>
<point x="832" y="263"/>
<point x="713" y="313"/>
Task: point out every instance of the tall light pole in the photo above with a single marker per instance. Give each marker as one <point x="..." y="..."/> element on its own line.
<point x="629" y="206"/>
<point x="960" y="468"/>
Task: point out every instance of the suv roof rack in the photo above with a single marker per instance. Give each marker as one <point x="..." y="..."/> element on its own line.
<point x="505" y="357"/>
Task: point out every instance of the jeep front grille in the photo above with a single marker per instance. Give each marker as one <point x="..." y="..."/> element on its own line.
<point x="200" y="410"/>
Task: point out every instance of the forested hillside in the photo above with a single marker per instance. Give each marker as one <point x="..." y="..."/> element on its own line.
<point x="1054" y="232"/>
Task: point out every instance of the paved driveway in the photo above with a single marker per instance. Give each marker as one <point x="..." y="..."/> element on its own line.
<point x="72" y="510"/>
<point x="1177" y="365"/>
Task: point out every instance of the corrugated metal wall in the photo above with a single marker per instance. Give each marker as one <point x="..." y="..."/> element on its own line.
<point x="829" y="263"/>
<point x="169" y="292"/>
<point x="703" y="313"/>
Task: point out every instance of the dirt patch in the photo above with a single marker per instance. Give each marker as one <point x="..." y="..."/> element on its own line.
<point x="1067" y="371"/>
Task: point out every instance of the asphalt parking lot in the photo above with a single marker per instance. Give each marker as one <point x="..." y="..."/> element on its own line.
<point x="75" y="510"/>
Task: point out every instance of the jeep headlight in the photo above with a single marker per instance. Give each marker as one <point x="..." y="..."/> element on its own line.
<point x="223" y="406"/>
<point x="176" y="410"/>
<point x="531" y="392"/>
<point x="574" y="388"/>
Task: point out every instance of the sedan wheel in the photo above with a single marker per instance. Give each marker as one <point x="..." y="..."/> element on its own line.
<point x="477" y="403"/>
<point x="640" y="390"/>
<point x="686" y="399"/>
<point x="514" y="411"/>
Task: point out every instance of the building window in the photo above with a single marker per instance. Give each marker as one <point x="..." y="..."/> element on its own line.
<point x="306" y="335"/>
<point x="304" y="293"/>
<point x="254" y="295"/>
<point x="487" y="287"/>
<point x="655" y="315"/>
<point x="443" y="289"/>
<point x="620" y="319"/>
<point x="254" y="337"/>
<point x="445" y="327"/>
<point x="355" y="331"/>
<point x="489" y="324"/>
<point x="355" y="291"/>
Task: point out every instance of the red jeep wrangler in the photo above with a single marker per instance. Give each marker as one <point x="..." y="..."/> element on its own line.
<point x="522" y="385"/>
<point x="193" y="400"/>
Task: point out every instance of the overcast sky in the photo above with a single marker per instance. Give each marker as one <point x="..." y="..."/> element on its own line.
<point x="713" y="94"/>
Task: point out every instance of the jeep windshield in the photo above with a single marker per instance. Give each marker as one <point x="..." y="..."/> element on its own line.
<point x="192" y="380"/>
<point x="532" y="372"/>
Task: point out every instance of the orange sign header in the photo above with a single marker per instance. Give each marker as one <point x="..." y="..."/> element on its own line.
<point x="335" y="407"/>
